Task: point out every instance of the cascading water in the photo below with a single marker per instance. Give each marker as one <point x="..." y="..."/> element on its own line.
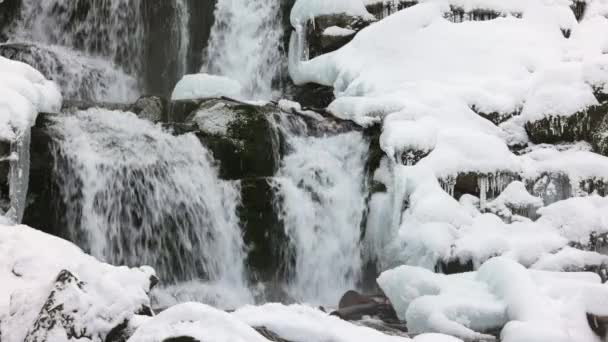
<point x="322" y="188"/>
<point x="109" y="41"/>
<point x="110" y="28"/>
<point x="79" y="39"/>
<point x="135" y="194"/>
<point x="245" y="45"/>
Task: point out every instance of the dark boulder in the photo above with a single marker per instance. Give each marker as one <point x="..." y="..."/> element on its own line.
<point x="354" y="306"/>
<point x="263" y="231"/>
<point x="589" y="125"/>
<point x="243" y="138"/>
<point x="319" y="42"/>
<point x="152" y="108"/>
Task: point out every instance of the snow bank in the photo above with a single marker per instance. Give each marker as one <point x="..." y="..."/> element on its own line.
<point x="428" y="95"/>
<point x="24" y="92"/>
<point x="203" y="86"/>
<point x="530" y="305"/>
<point x="30" y="262"/>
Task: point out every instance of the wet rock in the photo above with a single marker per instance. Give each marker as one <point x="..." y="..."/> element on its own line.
<point x="8" y="10"/>
<point x="454" y="266"/>
<point x="268" y="334"/>
<point x="578" y="8"/>
<point x="152" y="108"/>
<point x="242" y="137"/>
<point x="354" y="306"/>
<point x="589" y="125"/>
<point x="181" y="339"/>
<point x="599" y="324"/>
<point x="263" y="231"/>
<point x="318" y="40"/>
<point x="313" y="95"/>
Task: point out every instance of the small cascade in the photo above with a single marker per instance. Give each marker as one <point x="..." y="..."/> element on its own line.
<point x="321" y="185"/>
<point x="135" y="194"/>
<point x="245" y="45"/>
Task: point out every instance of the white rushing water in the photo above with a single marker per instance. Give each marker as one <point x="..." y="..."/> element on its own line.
<point x="322" y="187"/>
<point x="97" y="49"/>
<point x="245" y="45"/>
<point x="137" y="195"/>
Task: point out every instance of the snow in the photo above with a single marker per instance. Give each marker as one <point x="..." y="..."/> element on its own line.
<point x="305" y="10"/>
<point x="198" y="321"/>
<point x="576" y="218"/>
<point x="336" y="31"/>
<point x="531" y="305"/>
<point x="29" y="264"/>
<point x="204" y="86"/>
<point x="24" y="92"/>
<point x="427" y="101"/>
<point x="303" y="323"/>
<point x="575" y="161"/>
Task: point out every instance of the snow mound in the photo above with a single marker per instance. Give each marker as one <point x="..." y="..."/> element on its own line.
<point x="30" y="263"/>
<point x="502" y="295"/>
<point x="24" y="92"/>
<point x="204" y="86"/>
<point x="199" y="321"/>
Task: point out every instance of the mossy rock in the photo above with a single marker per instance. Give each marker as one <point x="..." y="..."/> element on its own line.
<point x="241" y="137"/>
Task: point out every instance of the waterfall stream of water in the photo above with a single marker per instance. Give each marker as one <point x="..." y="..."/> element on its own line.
<point x="322" y="187"/>
<point x="245" y="45"/>
<point x="135" y="194"/>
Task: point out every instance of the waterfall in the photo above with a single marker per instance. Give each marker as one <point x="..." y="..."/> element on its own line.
<point x="135" y="194"/>
<point x="322" y="188"/>
<point x="115" y="42"/>
<point x="245" y="45"/>
<point x="109" y="28"/>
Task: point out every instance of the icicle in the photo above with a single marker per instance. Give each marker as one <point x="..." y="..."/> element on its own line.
<point x="448" y="185"/>
<point x="19" y="175"/>
<point x="483" y="185"/>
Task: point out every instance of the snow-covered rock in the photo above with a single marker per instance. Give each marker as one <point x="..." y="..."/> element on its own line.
<point x="502" y="296"/>
<point x="52" y="291"/>
<point x="24" y="92"/>
<point x="204" y="86"/>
